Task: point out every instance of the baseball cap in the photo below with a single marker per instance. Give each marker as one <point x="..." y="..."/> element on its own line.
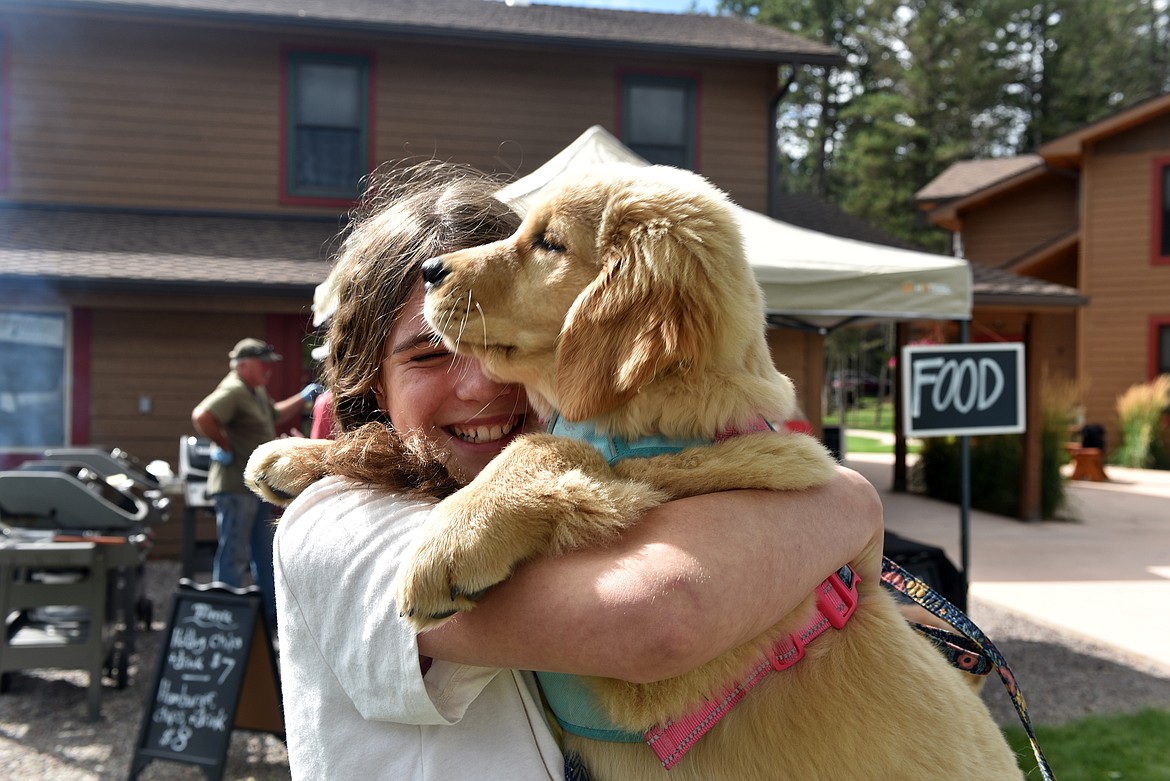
<point x="255" y="348"/>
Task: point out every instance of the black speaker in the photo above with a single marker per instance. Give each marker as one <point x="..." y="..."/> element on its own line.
<point x="930" y="564"/>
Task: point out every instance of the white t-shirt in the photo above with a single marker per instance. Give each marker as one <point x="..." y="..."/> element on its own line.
<point x="355" y="703"/>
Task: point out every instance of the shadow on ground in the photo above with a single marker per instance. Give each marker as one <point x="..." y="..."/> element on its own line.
<point x="44" y="733"/>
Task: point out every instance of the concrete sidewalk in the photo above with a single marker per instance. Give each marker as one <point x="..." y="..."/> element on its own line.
<point x="1103" y="574"/>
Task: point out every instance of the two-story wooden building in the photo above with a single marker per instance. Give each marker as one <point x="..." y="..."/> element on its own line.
<point x="1090" y="210"/>
<point x="175" y="173"/>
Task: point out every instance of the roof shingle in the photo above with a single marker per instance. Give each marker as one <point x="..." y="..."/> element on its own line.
<point x="185" y="251"/>
<point x="727" y="37"/>
<point x="969" y="176"/>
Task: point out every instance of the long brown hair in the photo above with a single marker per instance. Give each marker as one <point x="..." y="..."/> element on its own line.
<point x="409" y="214"/>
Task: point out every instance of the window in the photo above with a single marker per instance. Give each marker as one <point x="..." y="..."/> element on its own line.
<point x="1161" y="226"/>
<point x="327" y="125"/>
<point x="32" y="379"/>
<point x="658" y="118"/>
<point x="1161" y="346"/>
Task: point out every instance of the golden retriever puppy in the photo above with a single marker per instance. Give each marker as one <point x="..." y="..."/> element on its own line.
<point x="626" y="307"/>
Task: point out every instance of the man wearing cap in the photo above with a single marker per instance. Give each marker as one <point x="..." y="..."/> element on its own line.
<point x="238" y="416"/>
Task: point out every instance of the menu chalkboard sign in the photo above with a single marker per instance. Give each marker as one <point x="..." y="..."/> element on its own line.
<point x="216" y="672"/>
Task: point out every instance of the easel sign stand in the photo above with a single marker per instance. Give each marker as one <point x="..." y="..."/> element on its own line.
<point x="216" y="672"/>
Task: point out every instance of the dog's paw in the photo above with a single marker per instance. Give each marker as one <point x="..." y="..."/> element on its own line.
<point x="459" y="555"/>
<point x="278" y="471"/>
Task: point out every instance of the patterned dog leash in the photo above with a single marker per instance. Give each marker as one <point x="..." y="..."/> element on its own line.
<point x="916" y="590"/>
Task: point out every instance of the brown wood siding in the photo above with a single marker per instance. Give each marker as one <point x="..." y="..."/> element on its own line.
<point x="735" y="132"/>
<point x="800" y="356"/>
<point x="143" y="116"/>
<point x="1021" y="221"/>
<point x="135" y="114"/>
<point x="172" y="349"/>
<point x="186" y="116"/>
<point x="1052" y="336"/>
<point x="1054" y="339"/>
<point x="1116" y="273"/>
<point x="492" y="109"/>
<point x="172" y="358"/>
<point x="1150" y="137"/>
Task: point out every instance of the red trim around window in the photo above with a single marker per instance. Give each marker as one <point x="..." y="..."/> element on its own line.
<point x="1157" y="322"/>
<point x="287" y="334"/>
<point x="371" y="144"/>
<point x="694" y="76"/>
<point x="1159" y="211"/>
<point x="79" y="371"/>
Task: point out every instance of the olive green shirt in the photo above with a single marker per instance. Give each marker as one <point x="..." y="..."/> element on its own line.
<point x="248" y="418"/>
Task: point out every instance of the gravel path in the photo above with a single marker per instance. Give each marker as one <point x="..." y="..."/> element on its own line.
<point x="44" y="733"/>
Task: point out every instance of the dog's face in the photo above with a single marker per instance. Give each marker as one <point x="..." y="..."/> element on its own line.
<point x="613" y="279"/>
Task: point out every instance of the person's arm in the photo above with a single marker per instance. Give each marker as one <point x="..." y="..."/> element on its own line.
<point x="693" y="579"/>
<point x="207" y="425"/>
<point x="289" y="410"/>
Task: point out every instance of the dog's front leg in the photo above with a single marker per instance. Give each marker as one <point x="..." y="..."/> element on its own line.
<point x="542" y="495"/>
<point x="278" y="471"/>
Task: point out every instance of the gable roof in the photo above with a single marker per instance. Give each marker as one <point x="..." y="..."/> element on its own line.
<point x="1066" y="151"/>
<point x="696" y="35"/>
<point x="968" y="176"/>
<point x="998" y="287"/>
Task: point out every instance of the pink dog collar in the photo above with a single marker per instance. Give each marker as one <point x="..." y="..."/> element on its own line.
<point x="836" y="600"/>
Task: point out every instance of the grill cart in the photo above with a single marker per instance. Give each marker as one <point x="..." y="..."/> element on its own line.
<point x="73" y="542"/>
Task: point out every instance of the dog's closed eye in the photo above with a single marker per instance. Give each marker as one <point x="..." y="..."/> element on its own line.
<point x="548" y="243"/>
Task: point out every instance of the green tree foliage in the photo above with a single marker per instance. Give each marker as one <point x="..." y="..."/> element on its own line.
<point x="810" y="122"/>
<point x="931" y="82"/>
<point x="1075" y="62"/>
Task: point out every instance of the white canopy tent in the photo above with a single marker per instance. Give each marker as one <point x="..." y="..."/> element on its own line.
<point x="809" y="279"/>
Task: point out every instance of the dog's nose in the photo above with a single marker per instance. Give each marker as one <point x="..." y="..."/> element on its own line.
<point x="433" y="272"/>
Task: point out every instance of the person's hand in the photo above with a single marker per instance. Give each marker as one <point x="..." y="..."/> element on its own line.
<point x="312" y="391"/>
<point x="221" y="456"/>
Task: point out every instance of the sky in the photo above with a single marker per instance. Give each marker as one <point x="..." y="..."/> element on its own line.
<point x="668" y="6"/>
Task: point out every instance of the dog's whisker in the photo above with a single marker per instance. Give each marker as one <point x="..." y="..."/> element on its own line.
<point x="450" y="316"/>
<point x="483" y="322"/>
<point x="463" y="322"/>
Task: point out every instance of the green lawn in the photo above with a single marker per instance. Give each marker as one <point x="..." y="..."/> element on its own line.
<point x="856" y="444"/>
<point x="869" y="414"/>
<point x="1133" y="747"/>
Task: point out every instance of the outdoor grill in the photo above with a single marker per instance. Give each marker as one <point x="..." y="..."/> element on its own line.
<point x="74" y="534"/>
<point x="194" y="467"/>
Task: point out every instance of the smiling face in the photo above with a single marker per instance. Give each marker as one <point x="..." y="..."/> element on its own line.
<point x="424" y="388"/>
<point x="505" y="303"/>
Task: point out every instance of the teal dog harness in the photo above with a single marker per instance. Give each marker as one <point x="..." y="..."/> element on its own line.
<point x="573" y="702"/>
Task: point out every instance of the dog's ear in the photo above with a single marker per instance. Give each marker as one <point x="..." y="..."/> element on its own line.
<point x="646" y="313"/>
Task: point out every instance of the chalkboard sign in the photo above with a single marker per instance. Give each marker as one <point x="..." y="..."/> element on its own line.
<point x="962" y="389"/>
<point x="216" y="672"/>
